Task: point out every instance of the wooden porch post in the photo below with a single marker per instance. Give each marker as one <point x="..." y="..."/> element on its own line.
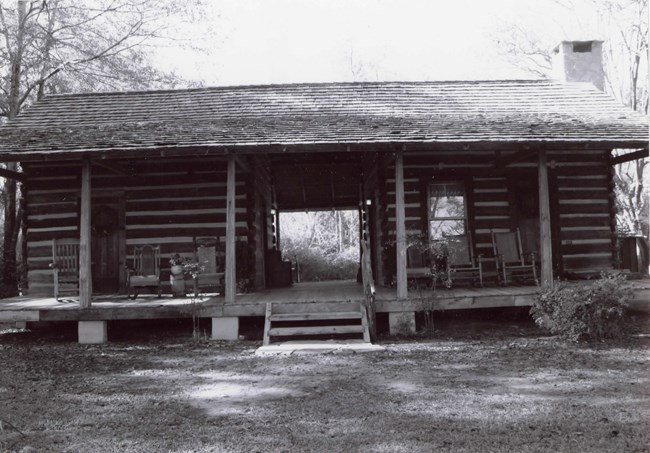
<point x="546" y="252"/>
<point x="230" y="271"/>
<point x="85" y="277"/>
<point x="400" y="227"/>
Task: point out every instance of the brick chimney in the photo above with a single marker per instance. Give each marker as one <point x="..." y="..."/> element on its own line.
<point x="579" y="61"/>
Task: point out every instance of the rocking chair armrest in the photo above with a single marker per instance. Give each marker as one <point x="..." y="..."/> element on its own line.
<point x="129" y="272"/>
<point x="532" y="256"/>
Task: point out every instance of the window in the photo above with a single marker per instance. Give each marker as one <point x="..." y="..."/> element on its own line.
<point x="446" y="210"/>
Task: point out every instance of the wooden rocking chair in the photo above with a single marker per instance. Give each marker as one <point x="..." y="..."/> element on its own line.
<point x="207" y="252"/>
<point x="65" y="264"/>
<point x="418" y="271"/>
<point x="510" y="259"/>
<point x="461" y="264"/>
<point x="145" y="272"/>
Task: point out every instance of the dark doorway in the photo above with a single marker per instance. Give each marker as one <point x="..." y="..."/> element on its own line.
<point x="525" y="201"/>
<point x="107" y="244"/>
<point x="524" y="204"/>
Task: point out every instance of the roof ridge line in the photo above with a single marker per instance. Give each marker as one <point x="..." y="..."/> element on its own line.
<point x="296" y="85"/>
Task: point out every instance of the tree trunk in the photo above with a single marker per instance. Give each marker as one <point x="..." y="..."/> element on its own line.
<point x="9" y="277"/>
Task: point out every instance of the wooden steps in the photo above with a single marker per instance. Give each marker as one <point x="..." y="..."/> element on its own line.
<point x="312" y="319"/>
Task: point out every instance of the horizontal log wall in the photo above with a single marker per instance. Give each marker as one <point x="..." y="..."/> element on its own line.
<point x="582" y="196"/>
<point x="168" y="202"/>
<point x="384" y="248"/>
<point x="583" y="212"/>
<point x="491" y="205"/>
<point x="586" y="212"/>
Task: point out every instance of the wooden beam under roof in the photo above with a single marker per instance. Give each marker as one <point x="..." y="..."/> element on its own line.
<point x="302" y="185"/>
<point x="10" y="174"/>
<point x="243" y="164"/>
<point x="518" y="156"/>
<point x="332" y="191"/>
<point x="112" y="166"/>
<point x="640" y="154"/>
<point x="152" y="151"/>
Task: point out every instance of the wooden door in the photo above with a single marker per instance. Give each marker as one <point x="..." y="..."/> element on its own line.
<point x="524" y="205"/>
<point x="107" y="246"/>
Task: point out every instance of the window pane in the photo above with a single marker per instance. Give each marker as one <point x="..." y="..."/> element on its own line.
<point x="442" y="207"/>
<point x="447" y="188"/>
<point x="447" y="200"/>
<point x="438" y="229"/>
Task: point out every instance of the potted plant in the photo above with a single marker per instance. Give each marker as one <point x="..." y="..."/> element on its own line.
<point x="177" y="264"/>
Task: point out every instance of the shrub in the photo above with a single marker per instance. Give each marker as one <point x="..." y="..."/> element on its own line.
<point x="584" y="312"/>
<point x="315" y="265"/>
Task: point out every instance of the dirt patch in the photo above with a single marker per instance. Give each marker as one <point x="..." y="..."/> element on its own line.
<point x="489" y="387"/>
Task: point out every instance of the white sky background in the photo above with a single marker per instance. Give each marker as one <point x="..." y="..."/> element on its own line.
<point x="290" y="41"/>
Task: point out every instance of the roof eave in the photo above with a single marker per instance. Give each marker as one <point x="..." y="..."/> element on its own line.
<point x="249" y="148"/>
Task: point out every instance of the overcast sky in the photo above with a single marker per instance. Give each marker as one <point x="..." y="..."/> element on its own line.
<point x="288" y="41"/>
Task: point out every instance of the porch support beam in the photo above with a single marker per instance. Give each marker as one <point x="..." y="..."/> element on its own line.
<point x="243" y="164"/>
<point x="640" y="154"/>
<point x="518" y="156"/>
<point x="302" y="185"/>
<point x="10" y="174"/>
<point x="112" y="166"/>
<point x="85" y="278"/>
<point x="400" y="227"/>
<point x="230" y="274"/>
<point x="546" y="252"/>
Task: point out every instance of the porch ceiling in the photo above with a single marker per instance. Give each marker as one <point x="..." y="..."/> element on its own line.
<point x="309" y="182"/>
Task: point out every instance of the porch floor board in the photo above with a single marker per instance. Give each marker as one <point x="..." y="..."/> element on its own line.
<point x="119" y="307"/>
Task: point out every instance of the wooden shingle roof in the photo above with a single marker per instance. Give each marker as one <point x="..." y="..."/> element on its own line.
<point x="335" y="113"/>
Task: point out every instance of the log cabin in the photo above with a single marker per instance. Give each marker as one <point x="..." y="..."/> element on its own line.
<point x="117" y="171"/>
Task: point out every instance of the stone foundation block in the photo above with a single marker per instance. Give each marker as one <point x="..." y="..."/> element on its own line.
<point x="92" y="332"/>
<point x="401" y="323"/>
<point x="226" y="328"/>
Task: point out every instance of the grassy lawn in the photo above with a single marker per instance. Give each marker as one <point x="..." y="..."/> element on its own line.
<point x="504" y="387"/>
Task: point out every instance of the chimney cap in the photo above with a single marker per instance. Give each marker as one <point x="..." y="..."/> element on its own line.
<point x="556" y="49"/>
<point x="579" y="61"/>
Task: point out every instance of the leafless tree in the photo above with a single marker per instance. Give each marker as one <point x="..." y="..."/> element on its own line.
<point x="52" y="46"/>
<point x="624" y="26"/>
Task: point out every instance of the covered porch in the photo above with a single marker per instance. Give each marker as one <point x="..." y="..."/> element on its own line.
<point x="22" y="310"/>
<point x="119" y="307"/>
<point x="391" y="187"/>
<point x="231" y="158"/>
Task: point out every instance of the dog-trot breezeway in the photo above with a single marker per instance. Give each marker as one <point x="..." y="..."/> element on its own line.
<point x="213" y="168"/>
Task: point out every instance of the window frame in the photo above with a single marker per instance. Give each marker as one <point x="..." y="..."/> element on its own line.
<point x="430" y="217"/>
